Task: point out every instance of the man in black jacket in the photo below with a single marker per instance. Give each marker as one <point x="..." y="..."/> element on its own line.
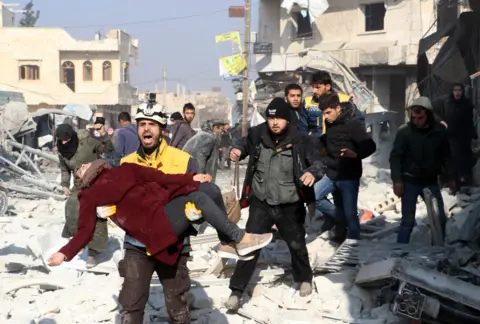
<point x="281" y="172"/>
<point x="420" y="152"/>
<point x="294" y="97"/>
<point x="346" y="143"/>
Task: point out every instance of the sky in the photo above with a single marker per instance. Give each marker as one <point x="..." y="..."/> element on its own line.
<point x="185" y="47"/>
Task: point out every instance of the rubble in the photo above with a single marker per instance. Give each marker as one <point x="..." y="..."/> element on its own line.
<point x="376" y="281"/>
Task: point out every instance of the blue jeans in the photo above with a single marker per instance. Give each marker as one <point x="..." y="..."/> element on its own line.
<point x="322" y="188"/>
<point x="409" y="207"/>
<point x="346" y="199"/>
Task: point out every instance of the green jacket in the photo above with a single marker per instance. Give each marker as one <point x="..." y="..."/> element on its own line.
<point x="89" y="149"/>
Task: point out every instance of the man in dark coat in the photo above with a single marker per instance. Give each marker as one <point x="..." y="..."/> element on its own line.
<point x="419" y="155"/>
<point x="346" y="143"/>
<point x="294" y="97"/>
<point x="281" y="171"/>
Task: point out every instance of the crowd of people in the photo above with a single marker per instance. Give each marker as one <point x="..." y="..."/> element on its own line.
<point x="308" y="148"/>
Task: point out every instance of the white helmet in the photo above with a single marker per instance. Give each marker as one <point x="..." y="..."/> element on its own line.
<point x="151" y="111"/>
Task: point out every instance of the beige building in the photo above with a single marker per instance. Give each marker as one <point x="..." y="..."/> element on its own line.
<point x="7" y="16"/>
<point x="377" y="39"/>
<point x="53" y="69"/>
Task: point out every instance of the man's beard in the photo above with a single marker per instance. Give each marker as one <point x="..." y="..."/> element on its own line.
<point x="148" y="150"/>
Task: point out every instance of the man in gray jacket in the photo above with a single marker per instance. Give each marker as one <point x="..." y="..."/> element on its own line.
<point x="182" y="131"/>
<point x="203" y="147"/>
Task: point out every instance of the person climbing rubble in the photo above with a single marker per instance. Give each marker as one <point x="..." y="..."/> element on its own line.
<point x="345" y="144"/>
<point x="420" y="152"/>
<point x="203" y="147"/>
<point x="172" y="202"/>
<point x="281" y="172"/>
<point x="75" y="149"/>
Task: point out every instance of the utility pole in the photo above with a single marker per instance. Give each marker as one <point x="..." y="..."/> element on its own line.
<point x="164" y="88"/>
<point x="246" y="55"/>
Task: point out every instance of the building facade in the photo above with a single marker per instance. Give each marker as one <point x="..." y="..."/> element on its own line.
<point x="53" y="69"/>
<point x="376" y="39"/>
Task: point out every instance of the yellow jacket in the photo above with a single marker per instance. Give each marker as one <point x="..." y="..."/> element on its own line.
<point x="312" y="121"/>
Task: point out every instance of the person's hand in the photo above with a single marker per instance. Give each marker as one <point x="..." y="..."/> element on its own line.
<point x="345" y="152"/>
<point x="308" y="179"/>
<point x="398" y="189"/>
<point x="235" y="154"/>
<point x="66" y="191"/>
<point x="56" y="259"/>
<point x="202" y="178"/>
<point x="100" y="129"/>
<point x="452" y="185"/>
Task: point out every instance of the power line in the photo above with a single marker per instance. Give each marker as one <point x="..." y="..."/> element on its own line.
<point x="142" y="22"/>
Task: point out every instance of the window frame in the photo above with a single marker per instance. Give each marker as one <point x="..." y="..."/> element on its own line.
<point x="31" y="72"/>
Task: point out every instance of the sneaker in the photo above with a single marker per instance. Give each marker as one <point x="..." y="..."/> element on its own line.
<point x="306" y="289"/>
<point x="233" y="303"/>
<point x="353" y="242"/>
<point x="228" y="251"/>
<point x="256" y="242"/>
<point x="91" y="262"/>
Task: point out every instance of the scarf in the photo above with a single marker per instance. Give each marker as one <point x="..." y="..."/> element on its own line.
<point x="64" y="132"/>
<point x="96" y="167"/>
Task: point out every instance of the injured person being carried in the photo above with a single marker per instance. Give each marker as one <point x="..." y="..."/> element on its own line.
<point x="155" y="208"/>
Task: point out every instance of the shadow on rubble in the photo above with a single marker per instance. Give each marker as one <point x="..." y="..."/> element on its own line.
<point x="45" y="321"/>
<point x="13" y="249"/>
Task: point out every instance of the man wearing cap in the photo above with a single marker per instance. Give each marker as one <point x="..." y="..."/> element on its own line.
<point x="420" y="152"/>
<point x="281" y="172"/>
<point x="138" y="265"/>
<point x="203" y="147"/>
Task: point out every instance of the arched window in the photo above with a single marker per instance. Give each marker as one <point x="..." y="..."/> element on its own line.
<point x="87" y="71"/>
<point x="107" y="71"/>
<point x="68" y="74"/>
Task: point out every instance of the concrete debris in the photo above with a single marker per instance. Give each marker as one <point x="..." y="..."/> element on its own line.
<point x="376" y="281"/>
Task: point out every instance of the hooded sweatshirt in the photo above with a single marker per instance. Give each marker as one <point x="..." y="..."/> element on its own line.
<point x="126" y="141"/>
<point x="419" y="154"/>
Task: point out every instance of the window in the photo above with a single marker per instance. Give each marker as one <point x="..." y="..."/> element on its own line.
<point x="68" y="75"/>
<point x="107" y="71"/>
<point x="29" y="72"/>
<point x="304" y="26"/>
<point x="126" y="75"/>
<point x="87" y="71"/>
<point x="374" y="16"/>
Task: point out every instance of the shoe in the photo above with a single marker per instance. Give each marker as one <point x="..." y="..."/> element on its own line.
<point x="228" y="251"/>
<point x="353" y="242"/>
<point x="233" y="303"/>
<point x="255" y="242"/>
<point x="306" y="289"/>
<point x="91" y="262"/>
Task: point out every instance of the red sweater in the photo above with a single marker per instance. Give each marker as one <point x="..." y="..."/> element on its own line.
<point x="140" y="194"/>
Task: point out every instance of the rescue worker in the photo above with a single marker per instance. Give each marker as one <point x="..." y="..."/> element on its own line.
<point x="75" y="149"/>
<point x="311" y="120"/>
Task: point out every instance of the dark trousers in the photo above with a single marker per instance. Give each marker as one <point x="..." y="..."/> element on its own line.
<point x="209" y="200"/>
<point x="409" y="207"/>
<point x="137" y="270"/>
<point x="289" y="219"/>
<point x="346" y="198"/>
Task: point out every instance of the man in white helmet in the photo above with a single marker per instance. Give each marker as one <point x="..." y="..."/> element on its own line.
<point x="138" y="266"/>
